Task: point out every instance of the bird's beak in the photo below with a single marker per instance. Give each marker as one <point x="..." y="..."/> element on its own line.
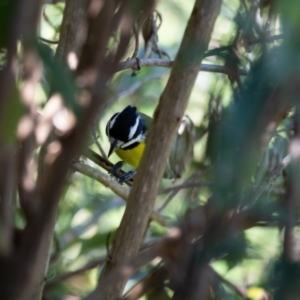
<point x="113" y="146"/>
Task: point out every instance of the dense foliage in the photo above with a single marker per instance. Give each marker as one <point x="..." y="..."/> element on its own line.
<point x="227" y="229"/>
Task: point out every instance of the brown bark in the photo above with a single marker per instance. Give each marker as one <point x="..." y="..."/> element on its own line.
<point x="169" y="111"/>
<point x="24" y="22"/>
<point x="73" y="29"/>
<point x="22" y="275"/>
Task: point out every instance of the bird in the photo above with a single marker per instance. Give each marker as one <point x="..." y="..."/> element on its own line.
<point x="127" y="132"/>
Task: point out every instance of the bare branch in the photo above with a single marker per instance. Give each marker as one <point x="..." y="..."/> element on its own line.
<point x="106" y="180"/>
<point x="136" y="41"/>
<point x="90" y="265"/>
<point x="174" y="192"/>
<point x="48" y="41"/>
<point x="96" y="137"/>
<point x="131" y="89"/>
<point x="158" y="62"/>
<point x="104" y="163"/>
<point x="185" y="186"/>
<point x="241" y="292"/>
<point x="156" y="279"/>
<point x="112" y="184"/>
<point x="37" y="235"/>
<point x="170" y="110"/>
<point x="270" y="178"/>
<point x="73" y="29"/>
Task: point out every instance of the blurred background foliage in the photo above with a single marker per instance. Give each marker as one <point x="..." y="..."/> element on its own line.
<point x="89" y="213"/>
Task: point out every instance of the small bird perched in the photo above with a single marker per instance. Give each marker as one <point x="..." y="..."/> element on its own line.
<point x="127" y="132"/>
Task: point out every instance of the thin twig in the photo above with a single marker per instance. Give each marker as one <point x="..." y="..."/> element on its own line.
<point x="155" y="279"/>
<point x="185" y="186"/>
<point x="136" y="40"/>
<point x="123" y="271"/>
<point x="170" y="110"/>
<point x="98" y="159"/>
<point x="158" y="62"/>
<point x="48" y="41"/>
<point x="96" y="141"/>
<point x="71" y="235"/>
<point x="236" y="289"/>
<point x="174" y="192"/>
<point x="104" y="163"/>
<point x="270" y="178"/>
<point x="90" y="265"/>
<point x="107" y="181"/>
<point x="268" y="39"/>
<point x="131" y="89"/>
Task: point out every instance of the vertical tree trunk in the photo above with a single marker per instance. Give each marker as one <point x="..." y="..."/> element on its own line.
<point x="166" y="121"/>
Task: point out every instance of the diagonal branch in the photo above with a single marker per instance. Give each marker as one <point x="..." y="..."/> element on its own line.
<point x="72" y="30"/>
<point x="37" y="235"/>
<point x="107" y="181"/>
<point x="169" y="111"/>
<point x="90" y="265"/>
<point x="166" y="63"/>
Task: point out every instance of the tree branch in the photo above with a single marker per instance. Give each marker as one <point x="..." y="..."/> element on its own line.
<point x="239" y="291"/>
<point x="112" y="184"/>
<point x="158" y="62"/>
<point x="37" y="235"/>
<point x="73" y="29"/>
<point x="269" y="179"/>
<point x="169" y="111"/>
<point x="90" y="265"/>
<point x="131" y="89"/>
<point x="104" y="163"/>
<point x="106" y="180"/>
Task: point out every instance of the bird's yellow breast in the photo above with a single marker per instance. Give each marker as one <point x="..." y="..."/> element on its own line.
<point x="132" y="156"/>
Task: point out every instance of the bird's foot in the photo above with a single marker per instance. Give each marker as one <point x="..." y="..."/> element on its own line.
<point x="126" y="176"/>
<point x="115" y="168"/>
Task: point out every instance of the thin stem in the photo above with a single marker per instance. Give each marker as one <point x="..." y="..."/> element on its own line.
<point x="90" y="265"/>
<point x="236" y="289"/>
<point x="270" y="178"/>
<point x="107" y="181"/>
<point x="185" y="186"/>
<point x="158" y="62"/>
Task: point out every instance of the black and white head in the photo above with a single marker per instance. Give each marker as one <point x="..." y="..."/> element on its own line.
<point x="125" y="129"/>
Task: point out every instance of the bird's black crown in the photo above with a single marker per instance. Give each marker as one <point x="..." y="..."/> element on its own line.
<point x="118" y="127"/>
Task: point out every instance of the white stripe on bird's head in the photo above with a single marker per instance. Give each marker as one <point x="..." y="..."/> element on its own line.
<point x="141" y="137"/>
<point x="112" y="121"/>
<point x="134" y="128"/>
